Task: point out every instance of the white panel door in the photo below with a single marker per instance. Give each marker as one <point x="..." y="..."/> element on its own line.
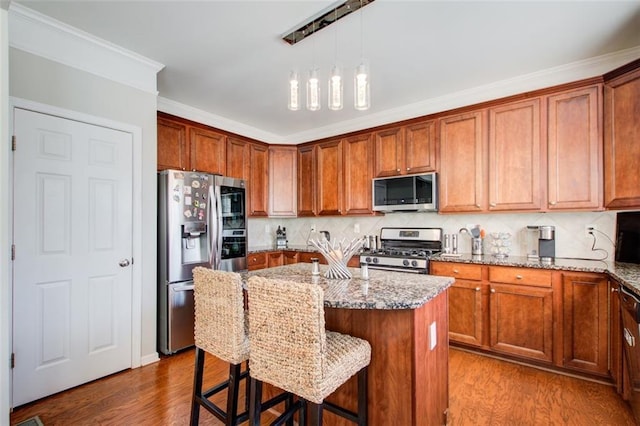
<point x="72" y="230"/>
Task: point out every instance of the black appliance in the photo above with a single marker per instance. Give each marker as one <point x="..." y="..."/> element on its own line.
<point x="628" y="237"/>
<point x="404" y="249"/>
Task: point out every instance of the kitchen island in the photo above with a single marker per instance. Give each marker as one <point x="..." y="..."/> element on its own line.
<point x="405" y="319"/>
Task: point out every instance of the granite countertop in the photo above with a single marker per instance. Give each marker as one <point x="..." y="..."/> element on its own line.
<point x="383" y="289"/>
<point x="262" y="249"/>
<point x="625" y="273"/>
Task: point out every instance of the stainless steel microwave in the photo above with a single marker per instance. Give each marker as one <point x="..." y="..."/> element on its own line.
<point x="406" y="193"/>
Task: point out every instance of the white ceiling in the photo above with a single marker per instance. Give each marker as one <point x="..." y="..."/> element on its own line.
<point x="227" y="59"/>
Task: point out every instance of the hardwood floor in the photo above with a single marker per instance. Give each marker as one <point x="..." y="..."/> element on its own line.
<point x="483" y="391"/>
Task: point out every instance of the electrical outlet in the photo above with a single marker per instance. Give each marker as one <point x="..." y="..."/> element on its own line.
<point x="589" y="230"/>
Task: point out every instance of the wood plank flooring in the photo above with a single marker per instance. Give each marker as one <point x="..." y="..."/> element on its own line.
<point x="483" y="391"/>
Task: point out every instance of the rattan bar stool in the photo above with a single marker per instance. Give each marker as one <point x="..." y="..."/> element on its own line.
<point x="220" y="329"/>
<point x="291" y="349"/>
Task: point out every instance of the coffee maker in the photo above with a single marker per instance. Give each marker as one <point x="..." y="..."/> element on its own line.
<point x="541" y="243"/>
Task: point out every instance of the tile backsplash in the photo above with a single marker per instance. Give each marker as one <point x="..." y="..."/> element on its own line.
<point x="571" y="239"/>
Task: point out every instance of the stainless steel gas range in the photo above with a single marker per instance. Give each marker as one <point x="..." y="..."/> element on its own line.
<point x="404" y="249"/>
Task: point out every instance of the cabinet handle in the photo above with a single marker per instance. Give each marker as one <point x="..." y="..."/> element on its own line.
<point x="455" y="271"/>
<point x="614" y="290"/>
<point x="552" y="203"/>
<point x="477" y="288"/>
<point x="493" y="290"/>
<point x="518" y="277"/>
<point x="492" y="204"/>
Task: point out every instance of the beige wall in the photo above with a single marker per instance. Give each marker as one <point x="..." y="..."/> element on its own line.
<point x="37" y="79"/>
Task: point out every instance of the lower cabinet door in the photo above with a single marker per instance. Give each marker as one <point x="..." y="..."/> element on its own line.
<point x="521" y="321"/>
<point x="465" y="312"/>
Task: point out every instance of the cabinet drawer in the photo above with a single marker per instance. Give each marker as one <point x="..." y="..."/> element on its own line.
<point x="306" y="256"/>
<point x="535" y="277"/>
<point x="256" y="261"/>
<point x="457" y="270"/>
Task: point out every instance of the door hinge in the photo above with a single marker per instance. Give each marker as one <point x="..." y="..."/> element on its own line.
<point x="13" y="360"/>
<point x="13" y="143"/>
<point x="13" y="252"/>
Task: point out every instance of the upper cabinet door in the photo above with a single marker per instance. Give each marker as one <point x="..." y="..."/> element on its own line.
<point x="515" y="152"/>
<point x="575" y="149"/>
<point x="282" y="181"/>
<point x="462" y="164"/>
<point x="173" y="148"/>
<point x="307" y="180"/>
<point x="420" y="147"/>
<point x="208" y="151"/>
<point x="258" y="182"/>
<point x="621" y="139"/>
<point x="237" y="158"/>
<point x="389" y="152"/>
<point x="358" y="172"/>
<point x="330" y="182"/>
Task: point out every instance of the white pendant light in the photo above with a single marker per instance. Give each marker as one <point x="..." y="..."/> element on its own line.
<point x="293" y="102"/>
<point x="313" y="90"/>
<point x="336" y="88"/>
<point x="361" y="88"/>
<point x="362" y="79"/>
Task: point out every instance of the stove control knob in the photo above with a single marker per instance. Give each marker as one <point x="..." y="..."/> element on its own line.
<point x="405" y="262"/>
<point x="375" y="260"/>
<point x="368" y="259"/>
<point x="414" y="263"/>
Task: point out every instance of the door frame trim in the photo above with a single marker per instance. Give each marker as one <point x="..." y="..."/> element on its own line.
<point x="136" y="273"/>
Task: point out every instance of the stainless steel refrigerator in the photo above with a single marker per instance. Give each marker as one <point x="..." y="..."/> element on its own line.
<point x="201" y="222"/>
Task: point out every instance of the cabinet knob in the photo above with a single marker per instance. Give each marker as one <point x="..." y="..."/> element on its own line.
<point x="518" y="277"/>
<point x="478" y="205"/>
<point x="552" y="203"/>
<point x="477" y="288"/>
<point x="455" y="271"/>
<point x="493" y="290"/>
<point x="398" y="170"/>
<point x="492" y="204"/>
<point x="614" y="290"/>
<point x="408" y="168"/>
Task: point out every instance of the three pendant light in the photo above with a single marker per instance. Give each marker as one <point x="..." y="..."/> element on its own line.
<point x="335" y="89"/>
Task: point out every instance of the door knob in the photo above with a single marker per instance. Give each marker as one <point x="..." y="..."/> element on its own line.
<point x="124" y="263"/>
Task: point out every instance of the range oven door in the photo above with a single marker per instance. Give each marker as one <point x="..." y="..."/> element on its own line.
<point x="631" y="345"/>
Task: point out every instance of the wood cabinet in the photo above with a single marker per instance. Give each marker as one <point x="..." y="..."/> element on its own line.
<point x="307" y="180"/>
<point x="621" y="136"/>
<point x="574" y="158"/>
<point x="405" y="150"/>
<point x="562" y="319"/>
<point x="466" y="313"/>
<point x="275" y="258"/>
<point x="282" y="181"/>
<point x="357" y="175"/>
<point x="462" y="162"/>
<point x="329" y="193"/>
<point x="257" y="261"/>
<point x="290" y="257"/>
<point x="515" y="156"/>
<point x="208" y="151"/>
<point x="586" y="322"/>
<point x="237" y="158"/>
<point x="258" y="180"/>
<point x="173" y="147"/>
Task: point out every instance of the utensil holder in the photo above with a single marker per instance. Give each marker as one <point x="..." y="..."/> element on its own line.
<point x="476" y="246"/>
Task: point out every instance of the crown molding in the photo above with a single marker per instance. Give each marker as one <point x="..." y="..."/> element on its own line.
<point x="194" y="114"/>
<point x="41" y="35"/>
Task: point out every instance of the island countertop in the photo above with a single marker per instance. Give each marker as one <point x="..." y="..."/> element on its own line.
<point x="383" y="289"/>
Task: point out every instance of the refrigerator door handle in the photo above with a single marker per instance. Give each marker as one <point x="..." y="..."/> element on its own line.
<point x="218" y="239"/>
<point x="213" y="225"/>
<point x="182" y="288"/>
